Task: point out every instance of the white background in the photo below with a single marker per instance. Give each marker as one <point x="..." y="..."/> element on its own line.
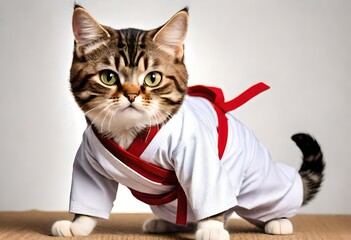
<point x="301" y="48"/>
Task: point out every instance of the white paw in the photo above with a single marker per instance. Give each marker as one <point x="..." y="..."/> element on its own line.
<point x="279" y="227"/>
<point x="211" y="230"/>
<point x="212" y="234"/>
<point x="158" y="226"/>
<point x="62" y="229"/>
<point x="82" y="226"/>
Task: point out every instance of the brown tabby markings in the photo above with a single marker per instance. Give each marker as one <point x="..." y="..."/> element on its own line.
<point x="131" y="53"/>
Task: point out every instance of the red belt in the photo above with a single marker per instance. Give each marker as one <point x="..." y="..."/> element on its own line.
<point x="131" y="156"/>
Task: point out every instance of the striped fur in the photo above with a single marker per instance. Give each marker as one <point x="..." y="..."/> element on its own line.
<point x="131" y="54"/>
<point x="312" y="168"/>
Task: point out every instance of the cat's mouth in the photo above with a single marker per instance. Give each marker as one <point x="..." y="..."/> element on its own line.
<point x="131" y="107"/>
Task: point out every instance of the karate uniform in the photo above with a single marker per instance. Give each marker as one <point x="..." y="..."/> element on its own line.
<point x="244" y="180"/>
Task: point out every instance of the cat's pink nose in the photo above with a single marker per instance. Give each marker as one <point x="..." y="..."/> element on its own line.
<point x="131" y="91"/>
<point x="131" y="96"/>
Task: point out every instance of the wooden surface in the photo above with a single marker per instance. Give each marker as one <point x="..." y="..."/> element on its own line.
<point x="36" y="225"/>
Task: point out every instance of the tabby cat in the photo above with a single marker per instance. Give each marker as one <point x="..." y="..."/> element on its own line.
<point x="128" y="81"/>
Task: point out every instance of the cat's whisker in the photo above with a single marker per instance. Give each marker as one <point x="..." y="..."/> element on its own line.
<point x="101" y="112"/>
<point x="107" y="114"/>
<point x="112" y="117"/>
<point x="102" y="104"/>
<point x="94" y="109"/>
<point x="93" y="101"/>
<point x="110" y="106"/>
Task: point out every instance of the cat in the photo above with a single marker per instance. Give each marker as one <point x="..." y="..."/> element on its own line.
<point x="128" y="81"/>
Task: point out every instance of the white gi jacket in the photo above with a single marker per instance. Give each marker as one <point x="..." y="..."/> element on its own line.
<point x="245" y="180"/>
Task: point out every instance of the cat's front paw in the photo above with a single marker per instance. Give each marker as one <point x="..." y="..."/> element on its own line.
<point x="82" y="226"/>
<point x="211" y="230"/>
<point x="279" y="227"/>
<point x="62" y="229"/>
<point x="158" y="226"/>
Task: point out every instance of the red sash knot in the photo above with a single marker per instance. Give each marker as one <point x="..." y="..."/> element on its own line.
<point x="216" y="97"/>
<point x="131" y="156"/>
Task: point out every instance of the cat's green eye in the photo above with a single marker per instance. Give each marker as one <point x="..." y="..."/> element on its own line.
<point x="153" y="79"/>
<point x="108" y="77"/>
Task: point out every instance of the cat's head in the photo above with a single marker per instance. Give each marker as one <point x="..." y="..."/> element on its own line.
<point x="128" y="79"/>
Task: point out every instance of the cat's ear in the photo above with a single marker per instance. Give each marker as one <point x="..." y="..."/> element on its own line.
<point x="170" y="36"/>
<point x="86" y="30"/>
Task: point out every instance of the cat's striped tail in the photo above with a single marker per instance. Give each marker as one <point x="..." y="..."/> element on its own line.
<point x="312" y="168"/>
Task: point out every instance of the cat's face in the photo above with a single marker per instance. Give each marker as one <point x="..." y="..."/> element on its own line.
<point x="128" y="79"/>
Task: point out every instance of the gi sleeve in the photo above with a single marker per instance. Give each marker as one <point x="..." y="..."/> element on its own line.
<point x="201" y="174"/>
<point x="92" y="192"/>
